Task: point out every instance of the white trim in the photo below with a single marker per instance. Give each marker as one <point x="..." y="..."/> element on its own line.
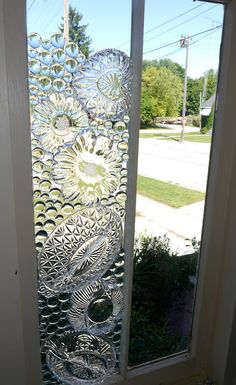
<point x="137" y="25"/>
<point x="214" y="331"/>
<point x="20" y="364"/>
<point x="221" y="364"/>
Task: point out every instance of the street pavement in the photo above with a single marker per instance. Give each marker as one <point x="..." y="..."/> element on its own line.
<point x="185" y="164"/>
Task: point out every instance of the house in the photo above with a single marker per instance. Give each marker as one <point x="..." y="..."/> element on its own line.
<point x="214" y="332"/>
<point x="207" y="106"/>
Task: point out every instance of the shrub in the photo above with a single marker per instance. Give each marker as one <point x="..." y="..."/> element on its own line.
<point x="196" y="121"/>
<point x="210" y="119"/>
<point x="204" y="130"/>
<point x="160" y="278"/>
<point x="150" y="339"/>
<point x="207" y="121"/>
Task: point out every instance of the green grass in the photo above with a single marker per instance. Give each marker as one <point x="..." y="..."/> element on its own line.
<point x="188" y="137"/>
<point x="167" y="193"/>
<point x="150" y="127"/>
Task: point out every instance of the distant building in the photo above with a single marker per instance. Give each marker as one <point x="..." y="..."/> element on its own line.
<point x="207" y="106"/>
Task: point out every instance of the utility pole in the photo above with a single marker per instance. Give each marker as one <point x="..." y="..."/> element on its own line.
<point x="184" y="43"/>
<point x="204" y="86"/>
<point x="200" y="110"/>
<point x="66" y="21"/>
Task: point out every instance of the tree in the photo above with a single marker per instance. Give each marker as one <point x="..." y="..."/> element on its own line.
<point x="175" y="68"/>
<point x="149" y="63"/>
<point x="161" y="94"/>
<point x="195" y="86"/>
<point x="77" y="31"/>
<point x="211" y="83"/>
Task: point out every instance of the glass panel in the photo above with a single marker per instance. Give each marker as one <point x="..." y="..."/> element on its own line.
<point x="181" y="38"/>
<point x="79" y="102"/>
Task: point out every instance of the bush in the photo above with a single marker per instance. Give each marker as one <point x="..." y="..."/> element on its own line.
<point x="210" y="119"/>
<point x="207" y="121"/>
<point x="204" y="130"/>
<point x="150" y="339"/>
<point x="196" y="121"/>
<point x="160" y="279"/>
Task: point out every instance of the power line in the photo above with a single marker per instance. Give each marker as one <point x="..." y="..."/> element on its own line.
<point x="178" y="25"/>
<point x="174" y="18"/>
<point x="35" y="18"/>
<point x="179" y="49"/>
<point x="177" y="41"/>
<point x="31" y="5"/>
<point x="204" y="37"/>
<point x="59" y="10"/>
<point x="166" y="22"/>
<point x="170" y="53"/>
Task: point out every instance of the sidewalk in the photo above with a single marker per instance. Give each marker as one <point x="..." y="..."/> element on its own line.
<point x="169" y="128"/>
<point x="184" y="163"/>
<point x="178" y="224"/>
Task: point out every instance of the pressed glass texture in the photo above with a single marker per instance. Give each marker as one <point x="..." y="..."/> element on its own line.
<point x="79" y="121"/>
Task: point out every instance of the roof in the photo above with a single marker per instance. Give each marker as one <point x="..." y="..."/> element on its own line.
<point x="207" y="106"/>
<point x="209" y="103"/>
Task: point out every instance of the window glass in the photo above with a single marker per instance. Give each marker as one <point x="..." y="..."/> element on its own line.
<point x="179" y="80"/>
<point x="79" y="95"/>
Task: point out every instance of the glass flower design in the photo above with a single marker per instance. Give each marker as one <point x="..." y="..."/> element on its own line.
<point x="79" y="250"/>
<point x="80" y="358"/>
<point x="95" y="308"/>
<point x="57" y="121"/>
<point x="103" y="84"/>
<point x="89" y="169"/>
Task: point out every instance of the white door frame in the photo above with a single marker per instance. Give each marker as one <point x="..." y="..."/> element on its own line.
<point x="215" y="307"/>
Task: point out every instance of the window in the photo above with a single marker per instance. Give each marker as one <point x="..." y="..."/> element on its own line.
<point x="19" y="320"/>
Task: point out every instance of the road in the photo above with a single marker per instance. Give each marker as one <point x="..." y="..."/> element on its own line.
<point x="183" y="163"/>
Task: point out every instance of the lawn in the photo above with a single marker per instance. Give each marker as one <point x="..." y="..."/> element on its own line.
<point x="188" y="136"/>
<point x="159" y="126"/>
<point x="167" y="193"/>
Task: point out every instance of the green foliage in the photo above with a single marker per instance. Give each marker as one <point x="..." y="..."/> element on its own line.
<point x="152" y="340"/>
<point x="211" y="83"/>
<point x="151" y="108"/>
<point x="77" y="31"/>
<point x="210" y="119"/>
<point x="204" y="130"/>
<point x="207" y="121"/>
<point x="196" y="121"/>
<point x="156" y="195"/>
<point x="160" y="277"/>
<point x="174" y="67"/>
<point x="149" y="63"/>
<point x="147" y="109"/>
<point x="159" y="97"/>
<point x="194" y="87"/>
<point x="159" y="273"/>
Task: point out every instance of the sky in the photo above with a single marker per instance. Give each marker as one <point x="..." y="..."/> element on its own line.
<point x="109" y="25"/>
